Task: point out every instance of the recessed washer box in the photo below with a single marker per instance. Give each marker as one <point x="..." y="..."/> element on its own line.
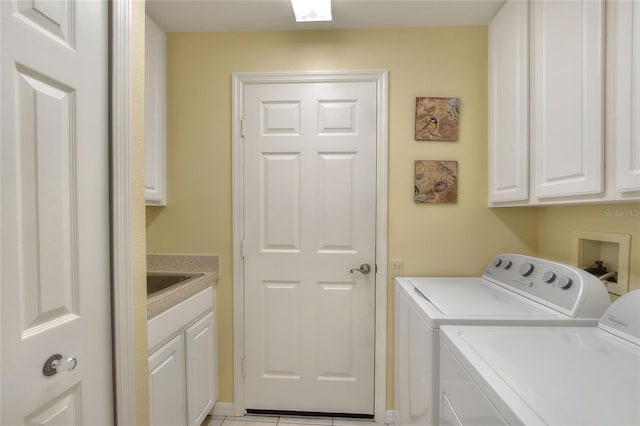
<point x="612" y="249"/>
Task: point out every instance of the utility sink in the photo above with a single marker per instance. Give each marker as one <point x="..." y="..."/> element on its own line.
<point x="158" y="281"/>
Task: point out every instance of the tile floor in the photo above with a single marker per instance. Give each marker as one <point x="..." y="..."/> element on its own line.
<point x="251" y="420"/>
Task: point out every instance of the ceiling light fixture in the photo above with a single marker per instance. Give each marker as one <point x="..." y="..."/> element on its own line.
<point x="312" y="10"/>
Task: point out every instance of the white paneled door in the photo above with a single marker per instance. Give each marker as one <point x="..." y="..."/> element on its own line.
<point x="55" y="296"/>
<point x="309" y="218"/>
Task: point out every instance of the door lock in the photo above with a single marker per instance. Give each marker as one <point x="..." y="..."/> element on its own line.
<point x="59" y="364"/>
<point x="365" y="268"/>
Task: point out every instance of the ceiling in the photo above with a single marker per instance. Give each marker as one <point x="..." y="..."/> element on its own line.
<point x="272" y="15"/>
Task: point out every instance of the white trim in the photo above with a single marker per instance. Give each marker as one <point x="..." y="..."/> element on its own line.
<point x="223" y="409"/>
<point x="391" y="417"/>
<point x="122" y="308"/>
<point x="237" y="181"/>
<point x="0" y="214"/>
<point x="381" y="249"/>
<point x="239" y="80"/>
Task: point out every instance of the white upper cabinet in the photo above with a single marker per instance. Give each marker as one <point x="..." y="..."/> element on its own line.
<point x="582" y="92"/>
<point x="155" y="101"/>
<point x="567" y="103"/>
<point x="625" y="122"/>
<point x="509" y="103"/>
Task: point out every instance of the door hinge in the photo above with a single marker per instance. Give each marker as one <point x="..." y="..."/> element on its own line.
<point x="242" y="249"/>
<point x="376" y="269"/>
<point x="242" y="127"/>
<point x="243" y="367"/>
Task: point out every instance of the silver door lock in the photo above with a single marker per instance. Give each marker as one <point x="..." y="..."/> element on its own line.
<point x="59" y="364"/>
<point x="365" y="268"/>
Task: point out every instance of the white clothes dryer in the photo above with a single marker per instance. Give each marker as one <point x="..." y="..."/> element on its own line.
<point x="514" y="290"/>
<point x="544" y="375"/>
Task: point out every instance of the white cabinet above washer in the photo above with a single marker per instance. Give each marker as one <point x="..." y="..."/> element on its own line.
<point x="509" y="103"/>
<point x="624" y="58"/>
<point x="547" y="119"/>
<point x="567" y="105"/>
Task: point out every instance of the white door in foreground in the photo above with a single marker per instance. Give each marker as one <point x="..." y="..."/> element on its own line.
<point x="54" y="187"/>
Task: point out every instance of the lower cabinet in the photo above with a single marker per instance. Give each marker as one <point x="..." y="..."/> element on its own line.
<point x="201" y="390"/>
<point x="182" y="388"/>
<point x="167" y="399"/>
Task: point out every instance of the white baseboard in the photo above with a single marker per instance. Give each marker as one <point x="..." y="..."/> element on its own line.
<point x="391" y="417"/>
<point x="222" y="409"/>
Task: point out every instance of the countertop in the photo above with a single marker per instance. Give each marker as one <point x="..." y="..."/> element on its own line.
<point x="206" y="266"/>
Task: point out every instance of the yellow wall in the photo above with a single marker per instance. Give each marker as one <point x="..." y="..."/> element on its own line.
<point x="558" y="223"/>
<point x="139" y="265"/>
<point x="453" y="239"/>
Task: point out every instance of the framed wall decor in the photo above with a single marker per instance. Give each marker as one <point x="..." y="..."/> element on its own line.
<point x="436" y="182"/>
<point x="437" y="119"/>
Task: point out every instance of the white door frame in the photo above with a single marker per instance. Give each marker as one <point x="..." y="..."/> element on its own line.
<point x="121" y="227"/>
<point x="239" y="81"/>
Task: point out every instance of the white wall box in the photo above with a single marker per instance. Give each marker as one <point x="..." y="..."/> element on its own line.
<point x="571" y="160"/>
<point x="509" y="103"/>
<point x="155" y="105"/>
<point x="612" y="249"/>
<point x="182" y="362"/>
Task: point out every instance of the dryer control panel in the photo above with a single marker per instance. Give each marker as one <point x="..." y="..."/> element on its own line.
<point x="564" y="288"/>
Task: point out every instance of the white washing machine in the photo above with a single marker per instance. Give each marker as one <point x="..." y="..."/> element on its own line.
<point x="544" y="375"/>
<point x="514" y="290"/>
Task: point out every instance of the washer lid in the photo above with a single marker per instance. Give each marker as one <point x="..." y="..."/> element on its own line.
<point x="563" y="375"/>
<point x="477" y="297"/>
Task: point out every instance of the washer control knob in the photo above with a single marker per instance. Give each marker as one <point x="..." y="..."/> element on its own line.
<point x="564" y="282"/>
<point x="507" y="264"/>
<point x="497" y="262"/>
<point x="526" y="269"/>
<point x="548" y="277"/>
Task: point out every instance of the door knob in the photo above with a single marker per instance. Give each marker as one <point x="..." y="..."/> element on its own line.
<point x="365" y="268"/>
<point x="59" y="364"/>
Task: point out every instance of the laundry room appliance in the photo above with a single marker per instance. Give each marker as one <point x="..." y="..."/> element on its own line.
<point x="495" y="375"/>
<point x="514" y="290"/>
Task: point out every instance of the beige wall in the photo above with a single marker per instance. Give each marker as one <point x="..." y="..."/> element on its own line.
<point x="558" y="223"/>
<point x="139" y="266"/>
<point x="453" y="239"/>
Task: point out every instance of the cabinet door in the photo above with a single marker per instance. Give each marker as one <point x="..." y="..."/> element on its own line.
<point x="201" y="390"/>
<point x="509" y="103"/>
<point x="155" y="82"/>
<point x="567" y="97"/>
<point x="167" y="399"/>
<point x="626" y="33"/>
